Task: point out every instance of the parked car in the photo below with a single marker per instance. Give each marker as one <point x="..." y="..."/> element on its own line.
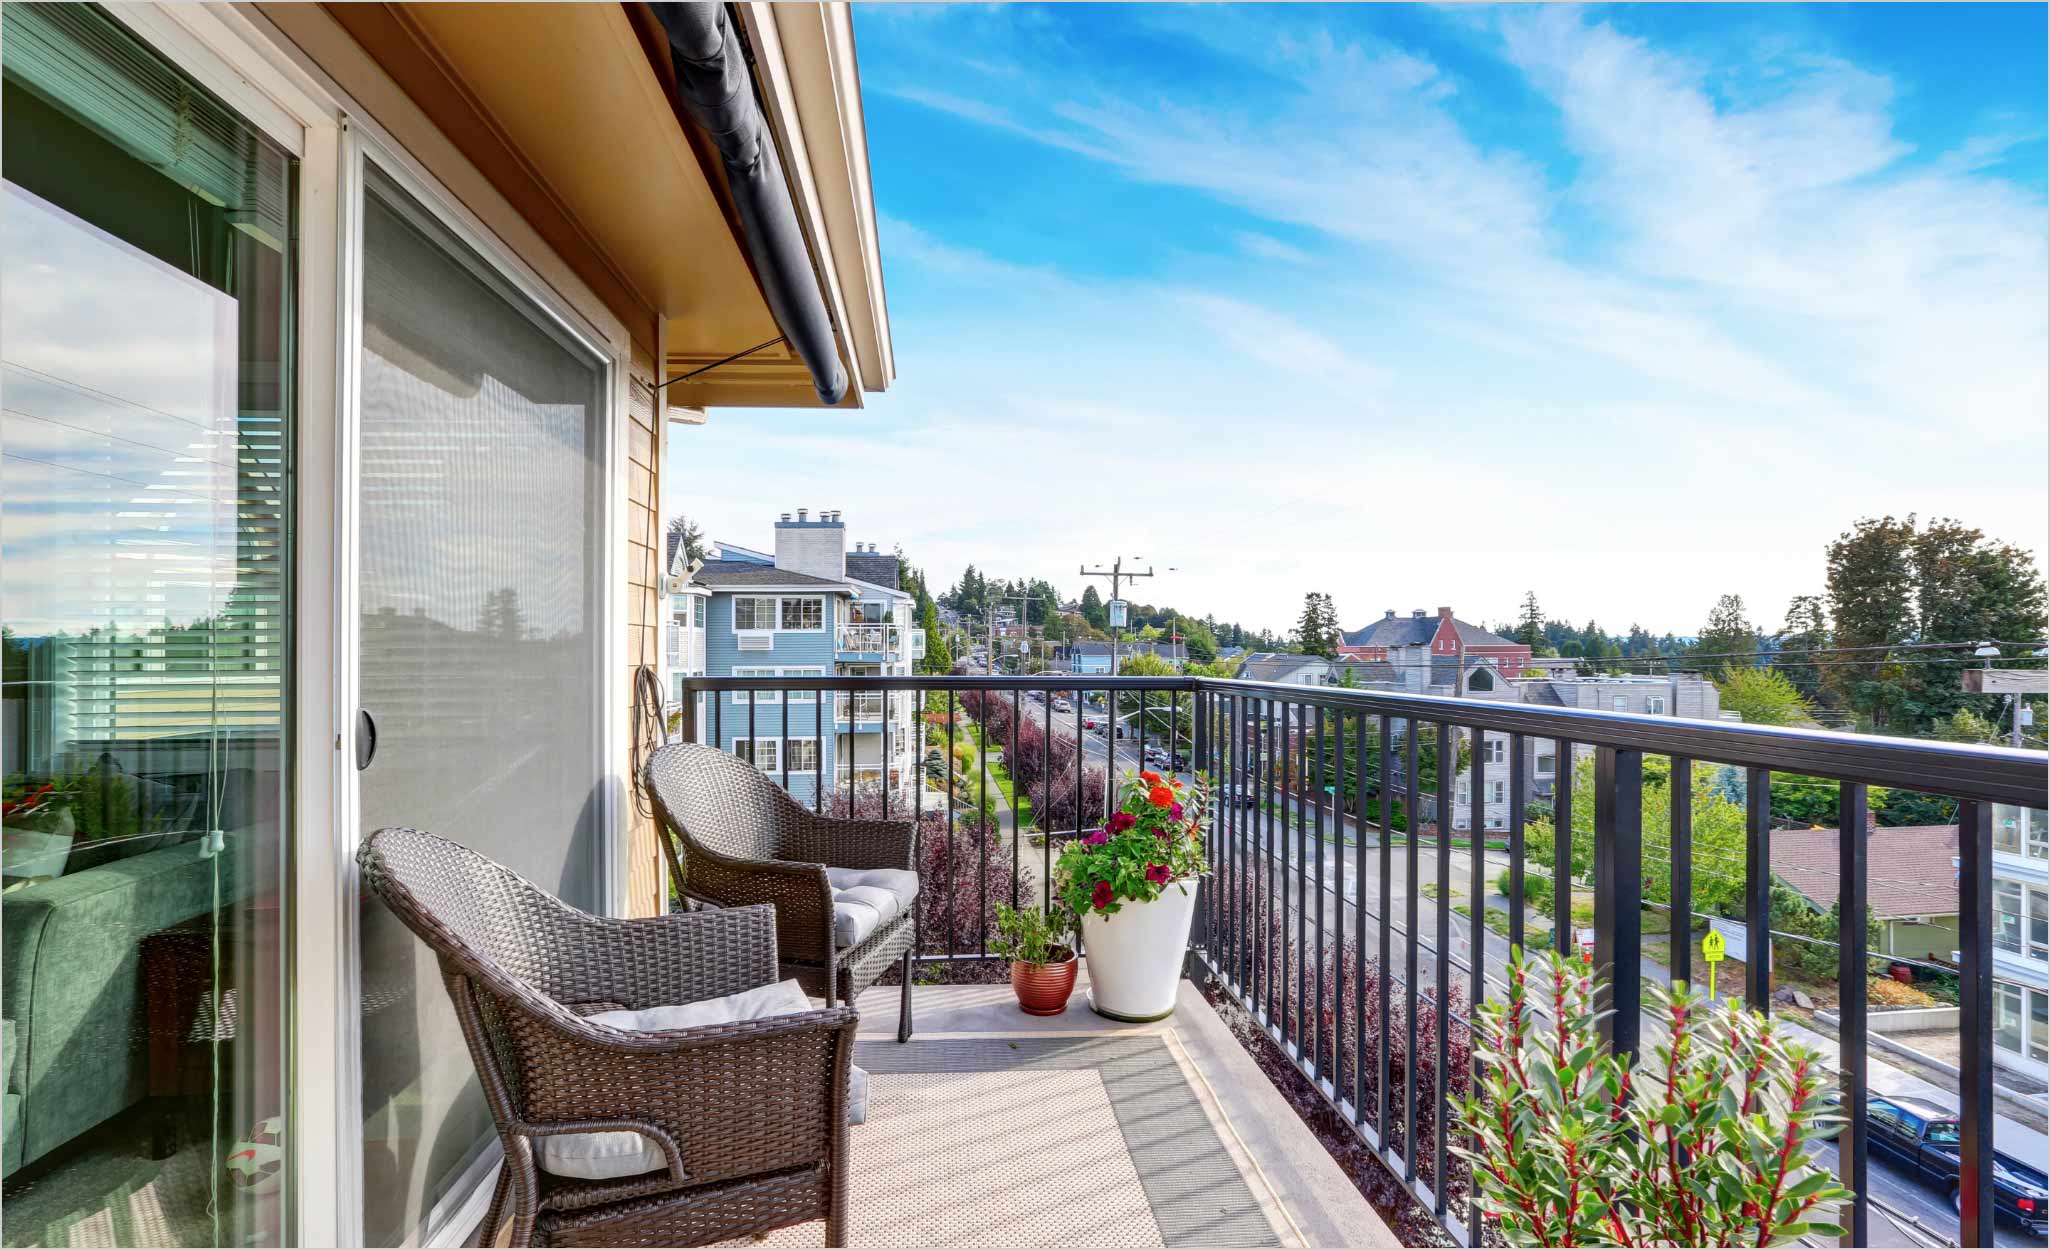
<point x="1235" y="796"/>
<point x="1062" y="705"/>
<point x="1924" y="1139"/>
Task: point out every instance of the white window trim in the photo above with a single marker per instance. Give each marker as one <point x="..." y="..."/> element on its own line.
<point x="751" y="754"/>
<point x="762" y="698"/>
<point x="775" y="613"/>
<point x="783" y="604"/>
<point x="1655" y="705"/>
<point x="1620" y="703"/>
<point x="791" y="747"/>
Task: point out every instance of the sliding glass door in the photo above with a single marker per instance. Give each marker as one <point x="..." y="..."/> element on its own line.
<point x="481" y="518"/>
<point x="146" y="245"/>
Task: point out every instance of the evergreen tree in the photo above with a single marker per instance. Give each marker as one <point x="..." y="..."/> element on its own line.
<point x="1806" y="629"/>
<point x="692" y="538"/>
<point x="1317" y="628"/>
<point x="1093" y="610"/>
<point x="1530" y="626"/>
<point x="938" y="657"/>
<point x="1728" y="639"/>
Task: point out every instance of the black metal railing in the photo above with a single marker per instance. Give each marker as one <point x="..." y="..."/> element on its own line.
<point x="1309" y="777"/>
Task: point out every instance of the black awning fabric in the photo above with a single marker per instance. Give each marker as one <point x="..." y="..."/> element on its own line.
<point x="717" y="91"/>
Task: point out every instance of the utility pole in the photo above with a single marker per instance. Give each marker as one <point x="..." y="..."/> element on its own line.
<point x="1117" y="575"/>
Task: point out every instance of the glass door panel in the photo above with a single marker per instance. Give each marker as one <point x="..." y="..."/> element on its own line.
<point x="145" y="281"/>
<point x="482" y="488"/>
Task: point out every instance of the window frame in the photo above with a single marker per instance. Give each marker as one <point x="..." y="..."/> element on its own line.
<point x="783" y="605"/>
<point x="762" y="698"/>
<point x="754" y="603"/>
<point x="2003" y="889"/>
<point x="792" y="747"/>
<point x="753" y="754"/>
<point x="1654" y="705"/>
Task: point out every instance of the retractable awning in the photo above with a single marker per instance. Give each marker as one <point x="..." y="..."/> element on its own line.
<point x="717" y="90"/>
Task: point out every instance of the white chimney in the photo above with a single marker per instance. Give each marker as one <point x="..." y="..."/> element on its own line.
<point x="817" y="548"/>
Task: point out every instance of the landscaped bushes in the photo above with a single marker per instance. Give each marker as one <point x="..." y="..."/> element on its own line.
<point x="955" y="895"/>
<point x="1055" y="798"/>
<point x="1335" y="1047"/>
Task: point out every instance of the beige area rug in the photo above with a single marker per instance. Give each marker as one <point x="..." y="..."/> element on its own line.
<point x="1017" y="1158"/>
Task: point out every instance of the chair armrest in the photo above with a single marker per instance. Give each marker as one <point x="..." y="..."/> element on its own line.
<point x="775" y="1088"/>
<point x="799" y="893"/>
<point x="868" y="843"/>
<point x="658" y="961"/>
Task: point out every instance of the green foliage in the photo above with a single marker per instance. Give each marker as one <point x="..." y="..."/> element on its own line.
<point x="1763" y="697"/>
<point x="1530" y="625"/>
<point x="1093" y="610"/>
<point x="1727" y="638"/>
<point x="1028" y="935"/>
<point x="1714" y="1149"/>
<point x="1537" y="889"/>
<point x="1316" y="631"/>
<point x="1154" y="838"/>
<point x="1719" y="829"/>
<point x="938" y="657"/>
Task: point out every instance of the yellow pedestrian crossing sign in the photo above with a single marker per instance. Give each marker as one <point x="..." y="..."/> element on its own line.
<point x="1712" y="947"/>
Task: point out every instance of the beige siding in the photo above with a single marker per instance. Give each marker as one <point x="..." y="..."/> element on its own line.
<point x="646" y="878"/>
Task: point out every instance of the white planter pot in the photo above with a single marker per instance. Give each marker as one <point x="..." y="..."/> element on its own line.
<point x="1135" y="957"/>
<point x="35" y="853"/>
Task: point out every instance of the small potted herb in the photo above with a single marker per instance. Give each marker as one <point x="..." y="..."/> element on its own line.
<point x="1042" y="965"/>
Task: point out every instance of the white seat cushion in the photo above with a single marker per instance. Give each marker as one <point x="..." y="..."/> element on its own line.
<point x="866" y="899"/>
<point x="608" y="1156"/>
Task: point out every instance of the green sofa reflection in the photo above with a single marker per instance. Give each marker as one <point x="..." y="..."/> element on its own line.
<point x="73" y="989"/>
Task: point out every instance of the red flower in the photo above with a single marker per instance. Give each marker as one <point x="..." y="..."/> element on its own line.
<point x="1150" y="778"/>
<point x="1157" y="874"/>
<point x="1121" y="821"/>
<point x="1161" y="796"/>
<point x="1100" y="897"/>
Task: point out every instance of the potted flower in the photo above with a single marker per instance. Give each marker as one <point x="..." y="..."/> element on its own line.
<point x="1042" y="966"/>
<point x="1133" y="883"/>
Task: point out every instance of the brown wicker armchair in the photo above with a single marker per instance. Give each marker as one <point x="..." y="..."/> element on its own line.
<point x="751" y="1116"/>
<point x="734" y="837"/>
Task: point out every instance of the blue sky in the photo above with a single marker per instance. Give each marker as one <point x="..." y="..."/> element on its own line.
<point x="1633" y="306"/>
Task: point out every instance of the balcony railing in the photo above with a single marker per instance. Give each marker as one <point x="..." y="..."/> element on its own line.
<point x="868" y="639"/>
<point x="1315" y="948"/>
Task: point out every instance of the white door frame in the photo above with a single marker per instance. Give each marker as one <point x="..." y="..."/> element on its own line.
<point x="239" y="55"/>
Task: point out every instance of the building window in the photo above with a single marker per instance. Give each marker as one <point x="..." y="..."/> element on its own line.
<point x="2007" y="1017"/>
<point x="2007" y="915"/>
<point x="763" y="753"/>
<point x="804" y="614"/>
<point x="754" y="613"/>
<point x="2039" y="924"/>
<point x="1655" y="704"/>
<point x="867" y="612"/>
<point x="1496" y="749"/>
<point x="762" y="698"/>
<point x="2039" y="1026"/>
<point x="697" y="611"/>
<point x="1480" y="680"/>
<point x="804" y="696"/>
<point x="1546" y="763"/>
<point x="1498" y="792"/>
<point x="803" y="754"/>
<point x="1621" y="702"/>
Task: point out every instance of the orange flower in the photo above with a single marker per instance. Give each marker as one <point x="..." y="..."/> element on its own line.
<point x="1161" y="796"/>
<point x="1150" y="778"/>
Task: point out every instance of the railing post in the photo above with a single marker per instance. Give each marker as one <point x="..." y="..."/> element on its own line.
<point x="1680" y="850"/>
<point x="1975" y="1024"/>
<point x="1618" y="892"/>
<point x="1758" y="889"/>
<point x="686" y="717"/>
<point x="1850" y="989"/>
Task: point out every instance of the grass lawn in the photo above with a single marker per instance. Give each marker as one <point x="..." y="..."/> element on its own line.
<point x="1000" y="777"/>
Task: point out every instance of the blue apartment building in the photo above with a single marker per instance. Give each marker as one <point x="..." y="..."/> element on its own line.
<point x="811" y="607"/>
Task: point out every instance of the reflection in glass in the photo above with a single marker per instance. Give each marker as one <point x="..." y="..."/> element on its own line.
<point x="144" y="280"/>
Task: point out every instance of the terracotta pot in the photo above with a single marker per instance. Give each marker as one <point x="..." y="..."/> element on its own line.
<point x="1043" y="989"/>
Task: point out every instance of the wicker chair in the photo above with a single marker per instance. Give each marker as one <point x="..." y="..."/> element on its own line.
<point x="734" y="837"/>
<point x="751" y="1116"/>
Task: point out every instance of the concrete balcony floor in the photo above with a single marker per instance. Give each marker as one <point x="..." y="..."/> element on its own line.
<point x="995" y="1128"/>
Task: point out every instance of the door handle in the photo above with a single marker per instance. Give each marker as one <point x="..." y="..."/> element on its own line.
<point x="366" y="739"/>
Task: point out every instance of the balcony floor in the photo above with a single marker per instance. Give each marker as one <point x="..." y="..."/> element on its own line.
<point x="991" y="1127"/>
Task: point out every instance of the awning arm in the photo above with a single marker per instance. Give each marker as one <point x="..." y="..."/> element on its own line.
<point x="716" y="89"/>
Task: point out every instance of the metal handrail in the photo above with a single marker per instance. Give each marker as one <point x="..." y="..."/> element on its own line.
<point x="1285" y="742"/>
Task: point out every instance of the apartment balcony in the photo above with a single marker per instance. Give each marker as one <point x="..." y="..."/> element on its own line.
<point x="1306" y="900"/>
<point x="876" y="644"/>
